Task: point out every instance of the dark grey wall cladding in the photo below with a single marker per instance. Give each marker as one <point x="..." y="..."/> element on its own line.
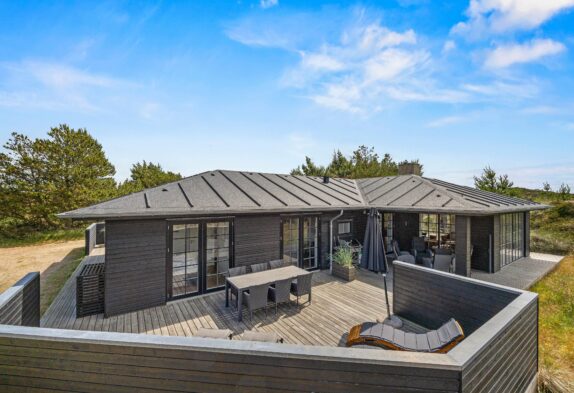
<point x="510" y="361"/>
<point x="20" y="304"/>
<point x="418" y="290"/>
<point x="480" y="230"/>
<point x="405" y="227"/>
<point x="526" y="234"/>
<point x="135" y="273"/>
<point x="181" y="364"/>
<point x="90" y="237"/>
<point x="257" y="239"/>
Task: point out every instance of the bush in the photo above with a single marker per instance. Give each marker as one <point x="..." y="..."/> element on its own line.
<point x="343" y="256"/>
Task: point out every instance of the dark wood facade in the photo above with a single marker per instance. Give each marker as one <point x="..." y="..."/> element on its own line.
<point x="135" y="273"/>
<point x="138" y="262"/>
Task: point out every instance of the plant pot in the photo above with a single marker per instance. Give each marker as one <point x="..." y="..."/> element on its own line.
<point x="346" y="273"/>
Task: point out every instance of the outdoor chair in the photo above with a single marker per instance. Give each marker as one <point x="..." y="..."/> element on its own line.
<point x="256" y="298"/>
<point x="396" y="252"/>
<point x="420" y="250"/>
<point x="268" y="337"/>
<point x="259" y="267"/>
<point x="280" y="292"/>
<point x="406" y="258"/>
<point x="276" y="264"/>
<point x="232" y="272"/>
<point x="302" y="286"/>
<point x="385" y="336"/>
<point x="443" y="262"/>
<point x="214" y="333"/>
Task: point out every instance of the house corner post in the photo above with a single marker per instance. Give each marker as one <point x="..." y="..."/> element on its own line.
<point x="463" y="248"/>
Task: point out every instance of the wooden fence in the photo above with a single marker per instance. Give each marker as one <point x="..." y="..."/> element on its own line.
<point x="36" y="359"/>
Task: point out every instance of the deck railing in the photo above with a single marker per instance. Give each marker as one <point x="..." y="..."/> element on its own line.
<point x="20" y="304"/>
<point x="500" y="351"/>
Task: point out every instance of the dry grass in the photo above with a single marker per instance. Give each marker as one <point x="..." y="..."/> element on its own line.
<point x="54" y="278"/>
<point x="556" y="326"/>
<point x="54" y="261"/>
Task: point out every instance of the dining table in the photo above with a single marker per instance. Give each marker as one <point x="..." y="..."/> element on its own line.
<point x="243" y="282"/>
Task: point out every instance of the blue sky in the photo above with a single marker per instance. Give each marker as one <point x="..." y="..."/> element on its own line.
<point x="257" y="85"/>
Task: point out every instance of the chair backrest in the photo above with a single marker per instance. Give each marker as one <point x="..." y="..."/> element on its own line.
<point x="258" y="296"/>
<point x="304" y="283"/>
<point x="419" y="243"/>
<point x="236" y="271"/>
<point x="442" y="262"/>
<point x="283" y="290"/>
<point x="259" y="267"/>
<point x="276" y="263"/>
<point x="396" y="249"/>
<point x="406" y="258"/>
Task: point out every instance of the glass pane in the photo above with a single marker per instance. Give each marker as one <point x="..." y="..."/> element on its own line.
<point x="217" y="253"/>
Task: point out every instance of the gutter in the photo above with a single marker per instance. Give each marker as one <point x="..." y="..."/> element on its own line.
<point x="331" y="241"/>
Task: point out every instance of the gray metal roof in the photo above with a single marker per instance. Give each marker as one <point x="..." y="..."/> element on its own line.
<point x="416" y="193"/>
<point x="232" y="192"/>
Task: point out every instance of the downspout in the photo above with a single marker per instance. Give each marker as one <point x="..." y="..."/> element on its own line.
<point x="331" y="241"/>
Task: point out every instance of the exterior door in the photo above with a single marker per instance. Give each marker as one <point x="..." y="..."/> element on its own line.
<point x="300" y="241"/>
<point x="200" y="255"/>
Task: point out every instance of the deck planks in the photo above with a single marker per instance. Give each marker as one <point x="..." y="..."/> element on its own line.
<point x="336" y="306"/>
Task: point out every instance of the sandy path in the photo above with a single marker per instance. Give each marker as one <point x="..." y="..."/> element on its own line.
<point x="15" y="262"/>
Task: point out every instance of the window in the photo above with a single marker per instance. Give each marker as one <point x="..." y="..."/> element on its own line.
<point x="438" y="229"/>
<point x="387" y="228"/>
<point x="511" y="237"/>
<point x="344" y="227"/>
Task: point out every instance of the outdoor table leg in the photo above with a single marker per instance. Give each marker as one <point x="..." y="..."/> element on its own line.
<point x="239" y="305"/>
<point x="226" y="294"/>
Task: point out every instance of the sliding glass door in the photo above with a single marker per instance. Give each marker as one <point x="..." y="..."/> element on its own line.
<point x="300" y="241"/>
<point x="200" y="256"/>
<point x="185" y="259"/>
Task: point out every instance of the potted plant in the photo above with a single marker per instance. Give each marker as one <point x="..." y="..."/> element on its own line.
<point x="343" y="263"/>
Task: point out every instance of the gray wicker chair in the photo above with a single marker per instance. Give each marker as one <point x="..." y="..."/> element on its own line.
<point x="281" y="292"/>
<point x="420" y="250"/>
<point x="256" y="298"/>
<point x="302" y="286"/>
<point x="259" y="267"/>
<point x="276" y="263"/>
<point x="232" y="272"/>
<point x="443" y="262"/>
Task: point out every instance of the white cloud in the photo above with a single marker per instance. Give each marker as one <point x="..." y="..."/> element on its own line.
<point x="507" y="55"/>
<point x="498" y="89"/>
<point x="445" y="121"/>
<point x="268" y="3"/>
<point x="354" y="73"/>
<point x="500" y="16"/>
<point x="448" y="46"/>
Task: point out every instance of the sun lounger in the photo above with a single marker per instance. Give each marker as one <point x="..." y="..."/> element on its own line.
<point x="441" y="340"/>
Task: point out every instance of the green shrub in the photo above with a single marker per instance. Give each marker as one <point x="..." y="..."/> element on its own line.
<point x="343" y="256"/>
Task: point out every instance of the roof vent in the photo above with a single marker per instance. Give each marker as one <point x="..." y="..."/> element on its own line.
<point x="326" y="179"/>
<point x="164" y="189"/>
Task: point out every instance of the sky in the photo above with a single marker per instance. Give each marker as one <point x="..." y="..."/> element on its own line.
<point x="258" y="85"/>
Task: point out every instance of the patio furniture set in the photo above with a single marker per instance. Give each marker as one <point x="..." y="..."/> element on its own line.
<point x="267" y="282"/>
<point x="438" y="258"/>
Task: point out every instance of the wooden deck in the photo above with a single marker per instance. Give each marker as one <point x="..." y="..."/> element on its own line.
<point x="336" y="307"/>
